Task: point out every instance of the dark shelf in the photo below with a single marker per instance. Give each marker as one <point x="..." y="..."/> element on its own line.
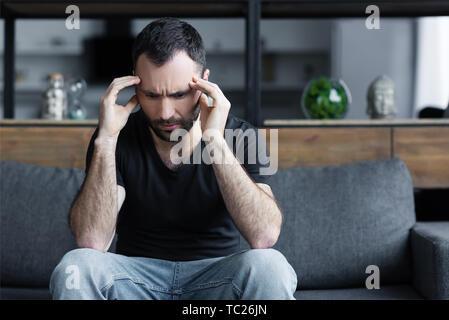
<point x="345" y="8"/>
<point x="131" y="9"/>
<point x="224" y="8"/>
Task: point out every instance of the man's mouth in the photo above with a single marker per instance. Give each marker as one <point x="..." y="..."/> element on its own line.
<point x="169" y="127"/>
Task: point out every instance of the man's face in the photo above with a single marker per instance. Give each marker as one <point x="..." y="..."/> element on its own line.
<point x="165" y="95"/>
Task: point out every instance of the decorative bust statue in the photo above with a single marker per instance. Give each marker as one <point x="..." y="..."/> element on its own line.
<point x="381" y="98"/>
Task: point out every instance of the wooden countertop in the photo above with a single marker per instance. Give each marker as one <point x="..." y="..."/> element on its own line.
<point x="268" y="123"/>
<point x="49" y="123"/>
<point x="355" y="123"/>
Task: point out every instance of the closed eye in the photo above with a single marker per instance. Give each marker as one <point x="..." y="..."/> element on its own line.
<point x="151" y="95"/>
<point x="179" y="95"/>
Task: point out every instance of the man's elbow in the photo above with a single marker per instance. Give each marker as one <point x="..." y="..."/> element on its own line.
<point x="268" y="238"/>
<point x="266" y="241"/>
<point x="263" y="244"/>
<point x="91" y="243"/>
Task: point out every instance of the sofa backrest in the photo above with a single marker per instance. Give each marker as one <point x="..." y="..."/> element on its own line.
<point x="35" y="234"/>
<point x="338" y="220"/>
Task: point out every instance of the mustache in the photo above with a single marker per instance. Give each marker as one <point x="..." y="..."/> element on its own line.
<point x="167" y="123"/>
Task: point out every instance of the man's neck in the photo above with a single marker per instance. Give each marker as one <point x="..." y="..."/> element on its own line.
<point x="161" y="145"/>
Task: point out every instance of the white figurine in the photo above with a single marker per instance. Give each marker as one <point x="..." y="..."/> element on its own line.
<point x="381" y="99"/>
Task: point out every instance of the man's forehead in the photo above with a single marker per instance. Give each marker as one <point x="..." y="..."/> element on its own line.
<point x="172" y="77"/>
<point x="177" y="89"/>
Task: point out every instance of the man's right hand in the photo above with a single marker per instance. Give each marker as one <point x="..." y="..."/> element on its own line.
<point x="113" y="117"/>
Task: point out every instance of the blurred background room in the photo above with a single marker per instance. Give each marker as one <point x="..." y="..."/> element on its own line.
<point x="413" y="52"/>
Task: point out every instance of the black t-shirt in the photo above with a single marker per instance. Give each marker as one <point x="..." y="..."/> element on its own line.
<point x="173" y="215"/>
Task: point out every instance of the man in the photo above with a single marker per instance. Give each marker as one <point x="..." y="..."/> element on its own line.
<point x="178" y="224"/>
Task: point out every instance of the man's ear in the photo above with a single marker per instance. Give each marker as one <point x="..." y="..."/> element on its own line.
<point x="206" y="74"/>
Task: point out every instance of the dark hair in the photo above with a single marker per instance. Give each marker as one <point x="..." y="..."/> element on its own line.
<point x="162" y="38"/>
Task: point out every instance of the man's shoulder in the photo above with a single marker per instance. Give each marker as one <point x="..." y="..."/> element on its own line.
<point x="134" y="119"/>
<point x="234" y="122"/>
<point x="128" y="136"/>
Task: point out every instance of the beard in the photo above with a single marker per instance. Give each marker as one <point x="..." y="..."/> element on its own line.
<point x="185" y="124"/>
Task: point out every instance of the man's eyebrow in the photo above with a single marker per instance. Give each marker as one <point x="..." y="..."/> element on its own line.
<point x="151" y="93"/>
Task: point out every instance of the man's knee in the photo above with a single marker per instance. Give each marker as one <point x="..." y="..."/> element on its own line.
<point x="268" y="266"/>
<point x="74" y="265"/>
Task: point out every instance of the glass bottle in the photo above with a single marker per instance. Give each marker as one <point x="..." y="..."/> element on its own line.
<point x="55" y="99"/>
<point x="75" y="91"/>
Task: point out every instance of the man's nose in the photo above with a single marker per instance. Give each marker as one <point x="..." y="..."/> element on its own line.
<point x="166" y="109"/>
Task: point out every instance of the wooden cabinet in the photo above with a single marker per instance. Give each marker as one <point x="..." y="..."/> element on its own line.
<point x="45" y="145"/>
<point x="422" y="144"/>
<point x="331" y="146"/>
<point x="425" y="151"/>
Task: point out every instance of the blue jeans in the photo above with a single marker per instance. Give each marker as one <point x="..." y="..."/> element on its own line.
<point x="248" y="274"/>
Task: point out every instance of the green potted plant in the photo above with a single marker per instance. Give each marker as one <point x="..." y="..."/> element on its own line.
<point x="325" y="98"/>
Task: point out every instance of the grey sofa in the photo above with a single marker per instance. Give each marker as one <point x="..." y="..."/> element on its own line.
<point x="337" y="221"/>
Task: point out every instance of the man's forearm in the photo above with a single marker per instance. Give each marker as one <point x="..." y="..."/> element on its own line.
<point x="255" y="213"/>
<point x="94" y="212"/>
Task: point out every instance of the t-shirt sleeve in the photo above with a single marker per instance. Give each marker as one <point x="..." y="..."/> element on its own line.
<point x="89" y="155"/>
<point x="256" y="156"/>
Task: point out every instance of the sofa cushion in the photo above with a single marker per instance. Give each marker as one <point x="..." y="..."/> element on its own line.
<point x="395" y="292"/>
<point x="35" y="234"/>
<point x="340" y="219"/>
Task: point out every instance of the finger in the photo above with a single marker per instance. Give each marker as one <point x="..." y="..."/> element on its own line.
<point x="210" y="86"/>
<point x="205" y="102"/>
<point x="206" y="87"/>
<point x="125" y="78"/>
<point x="120" y="83"/>
<point x="132" y="103"/>
<point x="117" y="81"/>
<point x="213" y="85"/>
<point x="118" y="86"/>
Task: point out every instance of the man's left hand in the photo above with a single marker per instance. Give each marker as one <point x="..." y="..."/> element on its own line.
<point x="213" y="118"/>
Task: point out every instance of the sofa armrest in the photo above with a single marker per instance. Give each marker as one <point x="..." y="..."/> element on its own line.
<point x="430" y="251"/>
